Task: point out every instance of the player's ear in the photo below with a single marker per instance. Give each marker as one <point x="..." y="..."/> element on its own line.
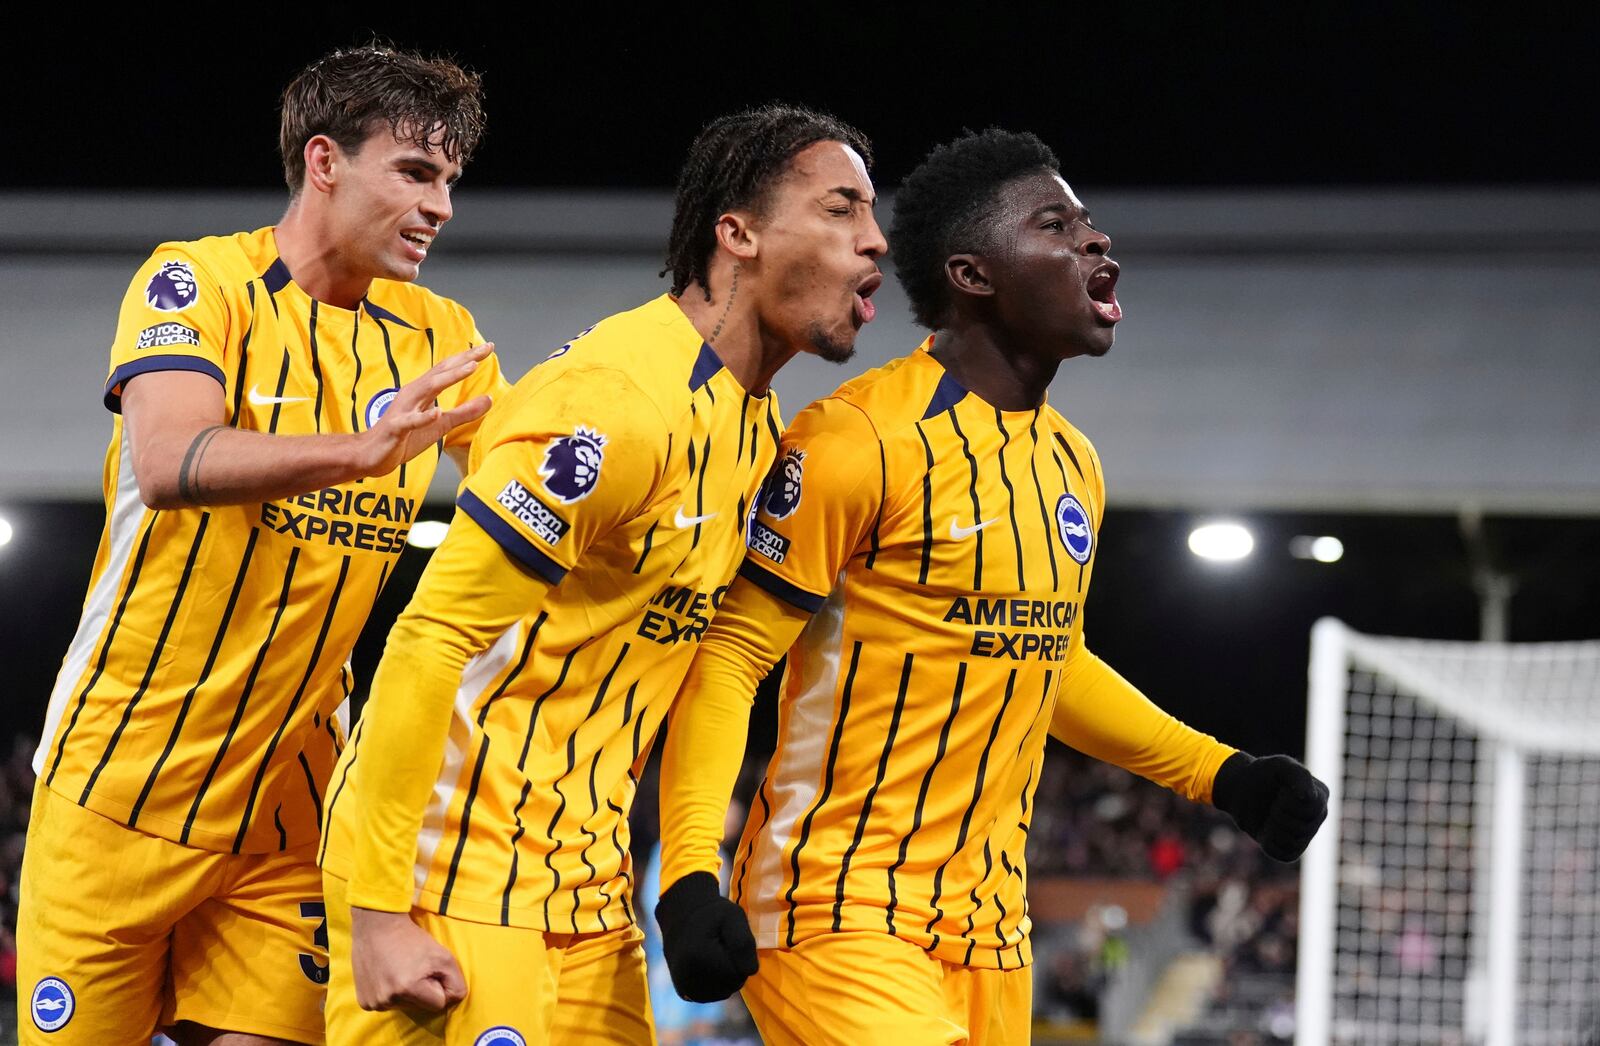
<point x="737" y="235"/>
<point x="968" y="274"/>
<point x="323" y="160"/>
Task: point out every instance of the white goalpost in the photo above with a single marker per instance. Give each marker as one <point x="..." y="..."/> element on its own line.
<point x="1453" y="895"/>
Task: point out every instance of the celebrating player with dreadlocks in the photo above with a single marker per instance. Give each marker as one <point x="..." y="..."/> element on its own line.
<point x="478" y="828"/>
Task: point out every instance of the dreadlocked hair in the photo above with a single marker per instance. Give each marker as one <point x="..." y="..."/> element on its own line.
<point x="346" y="95"/>
<point x="945" y="207"/>
<point x="733" y="163"/>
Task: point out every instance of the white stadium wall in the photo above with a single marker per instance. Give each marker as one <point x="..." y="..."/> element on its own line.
<point x="1407" y="351"/>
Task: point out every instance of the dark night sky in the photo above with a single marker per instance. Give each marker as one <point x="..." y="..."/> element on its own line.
<point x="1149" y="94"/>
<point x="1132" y="96"/>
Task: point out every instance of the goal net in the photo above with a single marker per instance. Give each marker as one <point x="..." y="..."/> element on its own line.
<point x="1453" y="895"/>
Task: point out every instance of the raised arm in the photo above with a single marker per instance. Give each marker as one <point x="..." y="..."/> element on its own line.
<point x="185" y="453"/>
<point x="1103" y="715"/>
<point x="1273" y="799"/>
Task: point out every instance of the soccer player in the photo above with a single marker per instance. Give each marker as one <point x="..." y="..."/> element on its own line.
<point x="923" y="553"/>
<point x="476" y="862"/>
<point x="282" y="398"/>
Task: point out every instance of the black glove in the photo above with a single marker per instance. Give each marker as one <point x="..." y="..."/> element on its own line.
<point x="1275" y="799"/>
<point x="705" y="938"/>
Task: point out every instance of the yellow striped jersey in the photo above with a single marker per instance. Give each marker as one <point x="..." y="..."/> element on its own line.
<point x="945" y="547"/>
<point x="621" y="471"/>
<point x="196" y="701"/>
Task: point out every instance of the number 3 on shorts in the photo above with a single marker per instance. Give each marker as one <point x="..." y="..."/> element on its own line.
<point x="317" y="972"/>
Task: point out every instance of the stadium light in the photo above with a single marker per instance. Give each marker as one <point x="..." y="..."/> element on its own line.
<point x="427" y="533"/>
<point x="5" y="531"/>
<point x="1222" y="541"/>
<point x="1325" y="549"/>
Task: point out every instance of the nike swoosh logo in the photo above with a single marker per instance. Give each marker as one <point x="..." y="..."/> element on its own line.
<point x="680" y="520"/>
<point x="959" y="533"/>
<point x="258" y="400"/>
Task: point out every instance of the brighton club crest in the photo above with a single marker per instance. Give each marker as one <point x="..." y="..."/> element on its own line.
<point x="571" y="465"/>
<point x="172" y="288"/>
<point x="379" y="405"/>
<point x="500" y="1035"/>
<point x="782" y="494"/>
<point x="1077" y="532"/>
<point x="52" y="1004"/>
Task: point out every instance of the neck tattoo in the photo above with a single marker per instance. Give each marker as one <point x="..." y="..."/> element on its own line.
<point x="733" y="292"/>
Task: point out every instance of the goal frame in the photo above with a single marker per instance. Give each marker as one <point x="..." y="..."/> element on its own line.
<point x="1505" y="740"/>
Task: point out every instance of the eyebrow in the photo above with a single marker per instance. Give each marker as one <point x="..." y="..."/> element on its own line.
<point x="1061" y="208"/>
<point x="415" y="160"/>
<point x="852" y="194"/>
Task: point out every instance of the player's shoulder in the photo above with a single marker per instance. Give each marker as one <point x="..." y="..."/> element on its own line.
<point x="887" y="400"/>
<point x="1070" y="433"/>
<point x="1080" y="449"/>
<point x="415" y="306"/>
<point x="230" y="260"/>
<point x="636" y="370"/>
<point x="651" y="351"/>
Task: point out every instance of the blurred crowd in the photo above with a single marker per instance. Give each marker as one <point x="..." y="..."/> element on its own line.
<point x="16" y="793"/>
<point x="1093" y="819"/>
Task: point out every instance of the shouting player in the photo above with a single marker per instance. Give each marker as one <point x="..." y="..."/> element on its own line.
<point x="476" y="862"/>
<point x="923" y="553"/>
<point x="282" y="397"/>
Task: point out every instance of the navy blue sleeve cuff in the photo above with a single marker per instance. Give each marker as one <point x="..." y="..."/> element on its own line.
<point x="792" y="594"/>
<point x="113" y="396"/>
<point x="517" y="547"/>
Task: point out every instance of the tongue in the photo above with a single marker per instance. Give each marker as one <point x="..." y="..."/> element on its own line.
<point x="1108" y="310"/>
<point x="865" y="310"/>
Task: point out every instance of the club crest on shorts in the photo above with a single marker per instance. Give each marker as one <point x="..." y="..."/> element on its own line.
<point x="52" y="1004"/>
<point x="1077" y="533"/>
<point x="500" y="1035"/>
<point x="782" y="494"/>
<point x="571" y="464"/>
<point x="172" y="288"/>
<point x="379" y="405"/>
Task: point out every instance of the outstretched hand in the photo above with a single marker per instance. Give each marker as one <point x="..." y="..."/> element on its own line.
<point x="414" y="421"/>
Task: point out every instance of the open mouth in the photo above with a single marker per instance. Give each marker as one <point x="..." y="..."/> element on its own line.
<point x="865" y="310"/>
<point x="1102" y="291"/>
<point x="418" y="240"/>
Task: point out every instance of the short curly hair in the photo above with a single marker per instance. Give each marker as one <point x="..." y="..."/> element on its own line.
<point x="733" y="163"/>
<point x="945" y="207"/>
<point x="349" y="93"/>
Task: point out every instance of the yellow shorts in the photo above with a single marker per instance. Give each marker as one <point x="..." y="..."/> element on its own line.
<point x="120" y="933"/>
<point x="524" y="987"/>
<point x="848" y="989"/>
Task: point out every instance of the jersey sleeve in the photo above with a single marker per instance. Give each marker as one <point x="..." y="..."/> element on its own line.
<point x="818" y="504"/>
<point x="487" y="380"/>
<point x="566" y="462"/>
<point x="172" y="318"/>
<point x="469" y="594"/>
<point x="710" y="721"/>
<point x="1101" y="714"/>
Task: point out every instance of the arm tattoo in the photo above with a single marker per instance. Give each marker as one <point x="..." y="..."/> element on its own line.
<point x="189" y="472"/>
